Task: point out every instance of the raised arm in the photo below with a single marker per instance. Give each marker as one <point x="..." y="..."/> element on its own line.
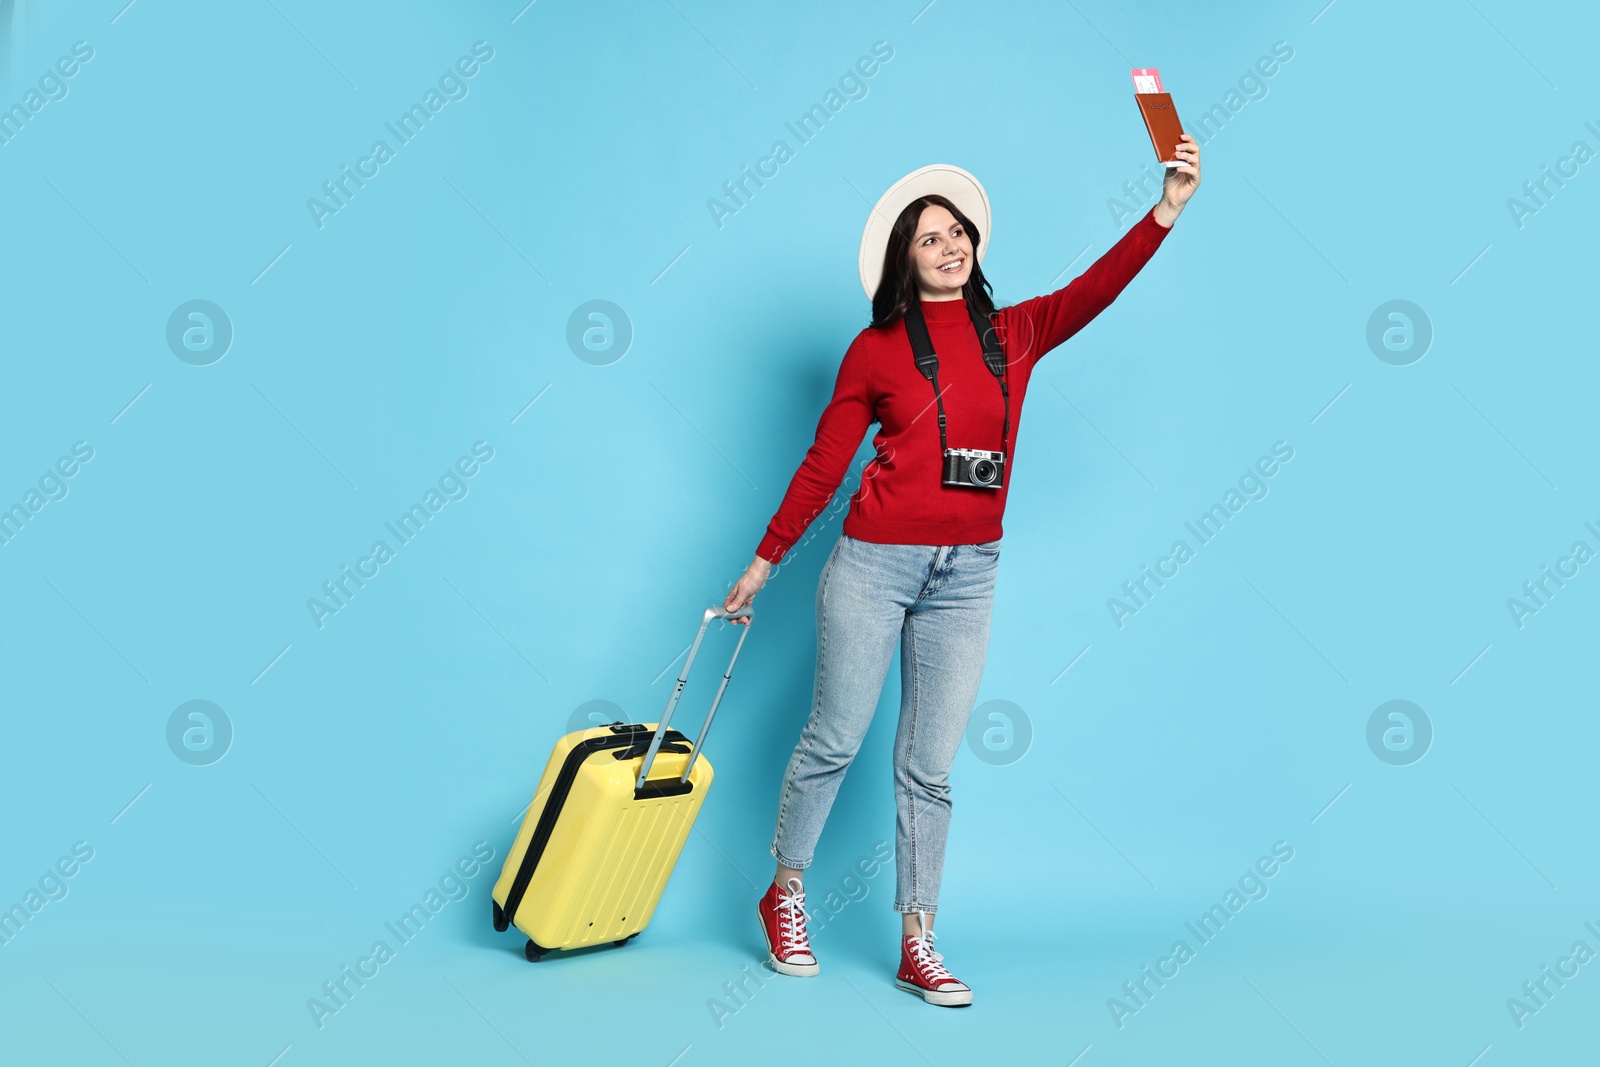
<point x="1036" y="326"/>
<point x="1044" y="322"/>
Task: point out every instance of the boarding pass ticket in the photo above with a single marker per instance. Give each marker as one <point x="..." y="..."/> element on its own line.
<point x="1147" y="80"/>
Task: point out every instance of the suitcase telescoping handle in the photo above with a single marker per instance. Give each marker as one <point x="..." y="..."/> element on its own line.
<point x="677" y="691"/>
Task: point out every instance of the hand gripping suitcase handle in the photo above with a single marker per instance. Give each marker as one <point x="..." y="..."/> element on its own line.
<point x="677" y="691"/>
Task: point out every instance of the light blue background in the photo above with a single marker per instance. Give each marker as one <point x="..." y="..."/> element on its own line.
<point x="370" y="754"/>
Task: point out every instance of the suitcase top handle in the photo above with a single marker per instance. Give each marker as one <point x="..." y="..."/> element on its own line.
<point x="677" y="691"/>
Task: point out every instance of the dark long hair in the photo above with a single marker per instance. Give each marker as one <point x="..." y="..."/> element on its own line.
<point x="898" y="284"/>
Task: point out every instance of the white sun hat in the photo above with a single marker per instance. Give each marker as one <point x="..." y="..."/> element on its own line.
<point x="944" y="179"/>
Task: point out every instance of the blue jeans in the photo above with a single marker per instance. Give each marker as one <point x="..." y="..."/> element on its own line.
<point x="936" y="601"/>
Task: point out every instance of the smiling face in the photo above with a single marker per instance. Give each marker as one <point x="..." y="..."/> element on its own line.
<point x="942" y="253"/>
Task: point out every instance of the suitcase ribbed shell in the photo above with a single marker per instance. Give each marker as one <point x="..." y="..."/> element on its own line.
<point x="609" y="855"/>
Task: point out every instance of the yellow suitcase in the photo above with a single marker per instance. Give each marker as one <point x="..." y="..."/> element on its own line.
<point x="602" y="835"/>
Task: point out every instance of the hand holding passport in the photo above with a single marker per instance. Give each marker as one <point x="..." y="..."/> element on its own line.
<point x="1160" y="116"/>
<point x="1178" y="152"/>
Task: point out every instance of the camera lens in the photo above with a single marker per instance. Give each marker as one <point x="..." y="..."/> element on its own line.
<point x="983" y="471"/>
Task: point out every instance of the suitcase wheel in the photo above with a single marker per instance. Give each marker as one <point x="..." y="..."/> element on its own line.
<point x="622" y="941"/>
<point x="500" y="920"/>
<point x="533" y="951"/>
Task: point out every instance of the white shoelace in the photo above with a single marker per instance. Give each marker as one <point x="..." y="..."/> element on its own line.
<point x="792" y="920"/>
<point x="929" y="962"/>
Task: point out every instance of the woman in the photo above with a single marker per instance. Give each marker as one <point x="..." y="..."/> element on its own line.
<point x="916" y="560"/>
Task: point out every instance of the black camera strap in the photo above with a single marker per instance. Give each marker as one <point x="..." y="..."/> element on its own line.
<point x="928" y="362"/>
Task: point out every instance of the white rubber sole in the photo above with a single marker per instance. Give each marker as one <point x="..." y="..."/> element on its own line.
<point x="955" y="998"/>
<point x="799" y="970"/>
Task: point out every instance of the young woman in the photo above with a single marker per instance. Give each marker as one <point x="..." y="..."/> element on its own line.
<point x="916" y="560"/>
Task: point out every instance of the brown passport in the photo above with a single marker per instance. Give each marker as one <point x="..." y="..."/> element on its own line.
<point x="1161" y="119"/>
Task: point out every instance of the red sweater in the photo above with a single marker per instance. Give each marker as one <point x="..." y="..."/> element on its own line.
<point x="901" y="499"/>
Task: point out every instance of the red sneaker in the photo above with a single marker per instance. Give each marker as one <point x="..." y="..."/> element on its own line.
<point x="783" y="922"/>
<point x="922" y="972"/>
